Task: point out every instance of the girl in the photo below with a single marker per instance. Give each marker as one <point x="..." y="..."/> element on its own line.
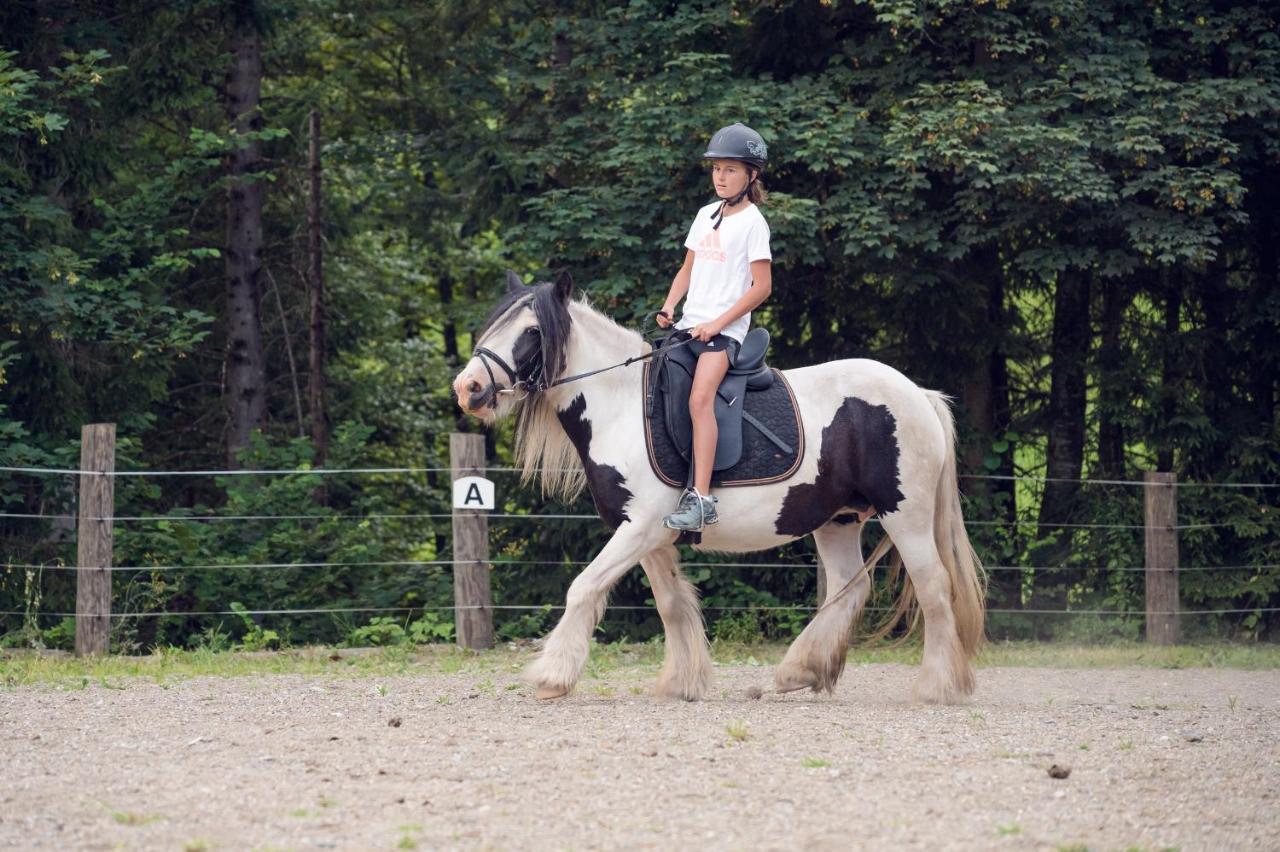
<point x="726" y="275"/>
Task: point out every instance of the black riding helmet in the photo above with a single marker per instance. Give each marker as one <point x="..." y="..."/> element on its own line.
<point x="737" y="142"/>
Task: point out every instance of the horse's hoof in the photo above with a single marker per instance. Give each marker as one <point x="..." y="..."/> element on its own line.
<point x="793" y="681"/>
<point x="546" y="693"/>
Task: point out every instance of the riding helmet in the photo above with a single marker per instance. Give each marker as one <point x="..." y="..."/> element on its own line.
<point x="738" y="142"/>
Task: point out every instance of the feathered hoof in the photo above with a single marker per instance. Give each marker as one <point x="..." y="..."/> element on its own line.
<point x="549" y="679"/>
<point x="792" y="677"/>
<point x="931" y="688"/>
<point x="677" y="689"/>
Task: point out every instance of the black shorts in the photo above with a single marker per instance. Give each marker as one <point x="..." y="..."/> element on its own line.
<point x="719" y="343"/>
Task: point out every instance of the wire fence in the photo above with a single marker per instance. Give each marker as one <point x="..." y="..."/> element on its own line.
<point x="374" y="516"/>
<point x="499" y="469"/>
<point x="570" y="563"/>
<point x="560" y="516"/>
<point x="556" y="607"/>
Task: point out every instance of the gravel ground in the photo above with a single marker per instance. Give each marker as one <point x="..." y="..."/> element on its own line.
<point x="1158" y="758"/>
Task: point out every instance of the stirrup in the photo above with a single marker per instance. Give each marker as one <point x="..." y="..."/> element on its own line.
<point x="682" y="518"/>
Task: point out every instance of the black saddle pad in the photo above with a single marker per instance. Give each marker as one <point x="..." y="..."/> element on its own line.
<point x="762" y="460"/>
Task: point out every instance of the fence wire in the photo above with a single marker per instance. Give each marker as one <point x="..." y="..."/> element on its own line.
<point x="499" y="516"/>
<point x="572" y="563"/>
<point x="551" y="516"/>
<point x="555" y="607"/>
<point x="412" y="470"/>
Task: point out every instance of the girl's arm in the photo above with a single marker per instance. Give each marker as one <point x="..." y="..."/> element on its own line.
<point x="679" y="287"/>
<point x="761" y="287"/>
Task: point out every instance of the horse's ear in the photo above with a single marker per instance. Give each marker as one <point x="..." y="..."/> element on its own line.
<point x="564" y="285"/>
<point x="514" y="283"/>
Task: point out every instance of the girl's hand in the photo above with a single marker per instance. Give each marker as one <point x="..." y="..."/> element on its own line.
<point x="704" y="331"/>
<point x="663" y="318"/>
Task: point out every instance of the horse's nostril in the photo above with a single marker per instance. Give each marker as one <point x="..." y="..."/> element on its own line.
<point x="473" y="386"/>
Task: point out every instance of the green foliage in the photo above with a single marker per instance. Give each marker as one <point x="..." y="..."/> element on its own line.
<point x="935" y="170"/>
<point x="383" y="630"/>
<point x="255" y="638"/>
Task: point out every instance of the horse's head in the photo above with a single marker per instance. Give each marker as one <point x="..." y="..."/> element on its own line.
<point x="519" y="350"/>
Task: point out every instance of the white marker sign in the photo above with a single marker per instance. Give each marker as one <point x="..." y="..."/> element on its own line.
<point x="472" y="492"/>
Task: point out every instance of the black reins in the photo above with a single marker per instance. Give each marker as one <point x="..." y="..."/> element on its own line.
<point x="536" y="382"/>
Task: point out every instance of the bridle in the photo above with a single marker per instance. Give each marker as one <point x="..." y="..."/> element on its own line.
<point x="525" y="377"/>
<point x="530" y="375"/>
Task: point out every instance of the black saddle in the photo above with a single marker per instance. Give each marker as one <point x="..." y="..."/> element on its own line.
<point x="767" y="449"/>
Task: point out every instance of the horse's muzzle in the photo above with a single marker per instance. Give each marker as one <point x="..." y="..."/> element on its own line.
<point x="473" y="397"/>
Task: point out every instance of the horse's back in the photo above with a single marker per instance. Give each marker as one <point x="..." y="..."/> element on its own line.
<point x="822" y="390"/>
<point x="873" y="381"/>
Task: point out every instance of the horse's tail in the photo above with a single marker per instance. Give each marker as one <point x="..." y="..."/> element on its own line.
<point x="968" y="580"/>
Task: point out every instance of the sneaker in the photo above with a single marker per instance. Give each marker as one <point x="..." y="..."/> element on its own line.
<point x="693" y="513"/>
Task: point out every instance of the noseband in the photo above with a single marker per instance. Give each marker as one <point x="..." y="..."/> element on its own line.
<point x="529" y="375"/>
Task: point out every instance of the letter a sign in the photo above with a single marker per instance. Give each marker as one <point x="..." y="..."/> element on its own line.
<point x="472" y="492"/>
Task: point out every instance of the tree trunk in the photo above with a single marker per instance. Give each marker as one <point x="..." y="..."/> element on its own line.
<point x="984" y="389"/>
<point x="246" y="403"/>
<point x="1066" y="412"/>
<point x="985" y="395"/>
<point x="1002" y="409"/>
<point x="1112" y="399"/>
<point x="1169" y="367"/>
<point x="444" y="286"/>
<point x="1263" y="368"/>
<point x="315" y="272"/>
<point x="1218" y="305"/>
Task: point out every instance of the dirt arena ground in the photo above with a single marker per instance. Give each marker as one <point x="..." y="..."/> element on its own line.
<point x="1157" y="758"/>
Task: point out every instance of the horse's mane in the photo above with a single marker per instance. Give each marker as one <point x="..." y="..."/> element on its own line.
<point x="543" y="448"/>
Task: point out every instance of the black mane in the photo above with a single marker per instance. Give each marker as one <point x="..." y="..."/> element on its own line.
<point x="554" y="323"/>
<point x="551" y="315"/>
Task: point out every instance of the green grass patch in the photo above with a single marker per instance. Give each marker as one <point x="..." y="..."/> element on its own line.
<point x="125" y="818"/>
<point x="164" y="667"/>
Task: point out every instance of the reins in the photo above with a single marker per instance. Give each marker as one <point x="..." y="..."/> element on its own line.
<point x="537" y="383"/>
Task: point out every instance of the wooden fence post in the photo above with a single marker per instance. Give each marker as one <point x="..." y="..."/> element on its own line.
<point x="1161" y="498"/>
<point x="473" y="602"/>
<point x="93" y="543"/>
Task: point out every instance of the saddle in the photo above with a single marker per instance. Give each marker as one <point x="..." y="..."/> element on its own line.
<point x="768" y="447"/>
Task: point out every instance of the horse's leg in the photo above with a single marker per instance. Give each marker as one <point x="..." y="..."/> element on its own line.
<point x="686" y="665"/>
<point x="945" y="675"/>
<point x="564" y="654"/>
<point x="817" y="656"/>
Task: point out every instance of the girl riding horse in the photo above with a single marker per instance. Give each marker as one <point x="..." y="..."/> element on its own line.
<point x="871" y="437"/>
<point x="726" y="275"/>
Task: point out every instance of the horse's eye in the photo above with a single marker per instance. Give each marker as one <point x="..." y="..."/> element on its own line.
<point x="528" y="344"/>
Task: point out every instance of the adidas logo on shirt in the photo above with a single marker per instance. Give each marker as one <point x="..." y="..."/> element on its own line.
<point x="709" y="248"/>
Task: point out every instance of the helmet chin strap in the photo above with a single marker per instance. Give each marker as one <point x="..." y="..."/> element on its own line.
<point x="718" y="213"/>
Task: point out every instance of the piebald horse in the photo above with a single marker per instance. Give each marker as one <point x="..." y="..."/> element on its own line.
<point x="875" y="443"/>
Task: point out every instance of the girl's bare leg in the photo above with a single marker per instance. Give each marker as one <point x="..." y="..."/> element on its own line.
<point x="706" y="379"/>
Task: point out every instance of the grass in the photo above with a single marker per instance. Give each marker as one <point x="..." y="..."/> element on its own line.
<point x="165" y="666"/>
<point x="134" y="819"/>
<point x="815" y="763"/>
<point x="737" y="730"/>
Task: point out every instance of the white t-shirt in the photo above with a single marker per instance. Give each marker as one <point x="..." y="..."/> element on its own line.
<point x="722" y="265"/>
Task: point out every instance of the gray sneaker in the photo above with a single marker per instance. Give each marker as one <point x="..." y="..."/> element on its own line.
<point x="694" y="512"/>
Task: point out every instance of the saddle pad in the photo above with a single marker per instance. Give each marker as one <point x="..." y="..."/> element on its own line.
<point x="761" y="462"/>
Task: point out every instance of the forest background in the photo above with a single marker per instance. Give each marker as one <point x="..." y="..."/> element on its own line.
<point x="1062" y="212"/>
